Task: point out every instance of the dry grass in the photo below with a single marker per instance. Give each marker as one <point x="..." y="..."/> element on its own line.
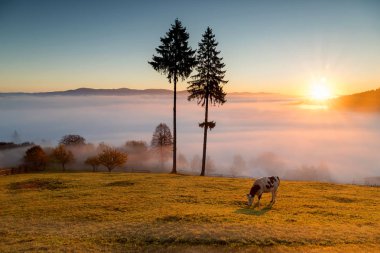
<point x="95" y="212"/>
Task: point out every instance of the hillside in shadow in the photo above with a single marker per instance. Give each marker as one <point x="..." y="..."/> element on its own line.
<point x="368" y="101"/>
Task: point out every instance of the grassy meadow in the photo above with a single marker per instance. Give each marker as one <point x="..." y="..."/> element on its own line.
<point x="125" y="212"/>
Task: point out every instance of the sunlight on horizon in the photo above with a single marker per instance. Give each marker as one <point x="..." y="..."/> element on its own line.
<point x="320" y="90"/>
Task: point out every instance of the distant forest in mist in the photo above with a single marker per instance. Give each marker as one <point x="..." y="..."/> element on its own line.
<point x="368" y="101"/>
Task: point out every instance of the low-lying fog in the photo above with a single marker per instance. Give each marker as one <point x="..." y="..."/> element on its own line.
<point x="254" y="136"/>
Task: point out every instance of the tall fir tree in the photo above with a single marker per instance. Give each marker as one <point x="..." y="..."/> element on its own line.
<point x="207" y="85"/>
<point x="175" y="59"/>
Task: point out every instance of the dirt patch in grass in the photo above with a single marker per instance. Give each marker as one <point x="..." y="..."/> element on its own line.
<point x="39" y="184"/>
<point x="186" y="199"/>
<point x="85" y="217"/>
<point x="121" y="183"/>
<point x="185" y="218"/>
<point x="218" y="187"/>
<point x="325" y="213"/>
<point x="238" y="203"/>
<point x="252" y="211"/>
<point x="367" y="224"/>
<point x="311" y="206"/>
<point x="341" y="199"/>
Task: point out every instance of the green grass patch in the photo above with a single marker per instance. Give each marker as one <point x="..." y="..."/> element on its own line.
<point x="120" y="183"/>
<point x="38" y="184"/>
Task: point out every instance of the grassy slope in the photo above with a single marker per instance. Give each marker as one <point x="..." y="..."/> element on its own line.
<point x="158" y="212"/>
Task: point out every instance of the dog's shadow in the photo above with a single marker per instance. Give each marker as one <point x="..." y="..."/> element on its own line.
<point x="252" y="211"/>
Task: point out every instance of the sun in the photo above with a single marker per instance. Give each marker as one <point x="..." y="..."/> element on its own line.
<point x="320" y="90"/>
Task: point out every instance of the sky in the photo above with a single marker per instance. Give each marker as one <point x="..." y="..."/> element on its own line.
<point x="267" y="46"/>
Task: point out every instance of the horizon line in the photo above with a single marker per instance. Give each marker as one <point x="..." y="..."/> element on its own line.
<point x="134" y="89"/>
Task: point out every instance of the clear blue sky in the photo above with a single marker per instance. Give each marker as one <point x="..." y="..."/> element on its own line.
<point x="267" y="45"/>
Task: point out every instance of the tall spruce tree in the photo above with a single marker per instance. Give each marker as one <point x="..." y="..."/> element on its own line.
<point x="207" y="85"/>
<point x="175" y="59"/>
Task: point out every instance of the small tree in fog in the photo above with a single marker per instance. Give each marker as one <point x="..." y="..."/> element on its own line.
<point x="16" y="137"/>
<point x="196" y="163"/>
<point x="176" y="60"/>
<point x="238" y="165"/>
<point x="182" y="161"/>
<point x="112" y="158"/>
<point x="72" y="140"/>
<point x="162" y="142"/>
<point x="136" y="147"/>
<point x="210" y="165"/>
<point x="93" y="161"/>
<point x="36" y="158"/>
<point x="102" y="146"/>
<point x="137" y="154"/>
<point x="207" y="85"/>
<point x="62" y="156"/>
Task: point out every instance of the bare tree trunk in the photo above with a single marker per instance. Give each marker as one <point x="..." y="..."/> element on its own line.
<point x="205" y="138"/>
<point x="174" y="170"/>
<point x="63" y="167"/>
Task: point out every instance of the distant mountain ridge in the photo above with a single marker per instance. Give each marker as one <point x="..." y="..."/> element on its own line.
<point x="93" y="92"/>
<point x="113" y="92"/>
<point x="368" y="101"/>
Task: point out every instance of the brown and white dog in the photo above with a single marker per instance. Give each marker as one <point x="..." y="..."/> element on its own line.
<point x="262" y="185"/>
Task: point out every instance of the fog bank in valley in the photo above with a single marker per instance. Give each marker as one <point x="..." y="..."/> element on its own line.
<point x="254" y="135"/>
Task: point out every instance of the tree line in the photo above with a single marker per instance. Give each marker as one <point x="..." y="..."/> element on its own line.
<point x="176" y="59"/>
<point x="37" y="158"/>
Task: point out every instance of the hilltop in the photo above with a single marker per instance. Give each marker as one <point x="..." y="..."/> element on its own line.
<point x="365" y="101"/>
<point x="126" y="212"/>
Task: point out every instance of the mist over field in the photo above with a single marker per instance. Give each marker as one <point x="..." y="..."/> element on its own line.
<point x="254" y="135"/>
